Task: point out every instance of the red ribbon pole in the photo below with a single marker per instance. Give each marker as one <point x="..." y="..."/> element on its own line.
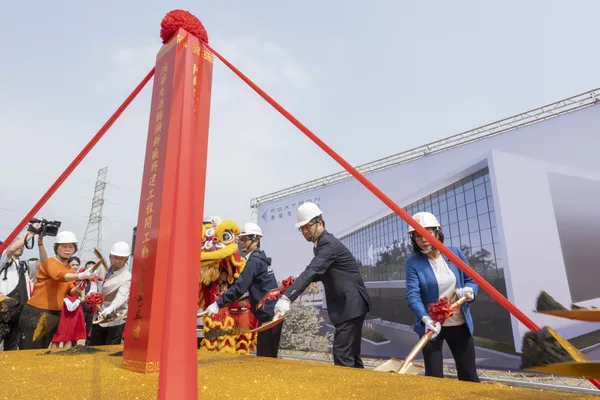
<point x="75" y="162"/>
<point x="488" y="288"/>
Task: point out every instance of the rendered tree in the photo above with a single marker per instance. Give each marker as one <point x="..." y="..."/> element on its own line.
<point x="313" y="289"/>
<point x="301" y="330"/>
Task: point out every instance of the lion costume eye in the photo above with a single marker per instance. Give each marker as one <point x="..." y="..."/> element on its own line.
<point x="210" y="232"/>
<point x="227" y="237"/>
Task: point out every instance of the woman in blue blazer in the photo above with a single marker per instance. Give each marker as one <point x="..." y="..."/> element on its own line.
<point x="429" y="277"/>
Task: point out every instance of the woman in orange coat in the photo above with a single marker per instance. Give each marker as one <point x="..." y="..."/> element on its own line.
<point x="54" y="281"/>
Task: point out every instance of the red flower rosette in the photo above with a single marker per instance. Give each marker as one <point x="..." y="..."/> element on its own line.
<point x="94" y="299"/>
<point x="181" y="19"/>
<point x="440" y="311"/>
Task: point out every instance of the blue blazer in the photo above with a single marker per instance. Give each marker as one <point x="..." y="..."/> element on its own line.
<point x="422" y="288"/>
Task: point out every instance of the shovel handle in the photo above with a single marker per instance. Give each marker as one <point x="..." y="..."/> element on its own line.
<point x="427" y="337"/>
<point x="101" y="261"/>
<point x="276" y="316"/>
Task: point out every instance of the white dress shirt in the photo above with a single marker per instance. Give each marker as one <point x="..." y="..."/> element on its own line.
<point x="446" y="284"/>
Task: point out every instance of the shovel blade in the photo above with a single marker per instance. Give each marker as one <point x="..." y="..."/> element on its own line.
<point x="576" y="369"/>
<point x="400" y="367"/>
<point x="408" y="368"/>
<point x="391" y="365"/>
<point x="577" y="315"/>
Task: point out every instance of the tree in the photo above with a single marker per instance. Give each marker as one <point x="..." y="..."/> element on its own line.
<point x="480" y="261"/>
<point x="301" y="330"/>
<point x="313" y="289"/>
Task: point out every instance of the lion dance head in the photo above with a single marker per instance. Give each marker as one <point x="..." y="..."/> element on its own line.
<point x="221" y="264"/>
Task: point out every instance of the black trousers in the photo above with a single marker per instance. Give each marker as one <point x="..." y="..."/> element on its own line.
<point x="347" y="343"/>
<point x="461" y="345"/>
<point x="88" y="316"/>
<point x="106" y="336"/>
<point x="28" y="322"/>
<point x="10" y="336"/>
<point x="267" y="343"/>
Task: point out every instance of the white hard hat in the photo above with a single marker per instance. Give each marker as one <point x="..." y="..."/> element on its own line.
<point x="306" y="212"/>
<point x="250" y="228"/>
<point x="120" y="249"/>
<point x="65" y="237"/>
<point x="426" y="220"/>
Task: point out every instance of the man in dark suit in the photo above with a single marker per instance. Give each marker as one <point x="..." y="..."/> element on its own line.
<point x="347" y="299"/>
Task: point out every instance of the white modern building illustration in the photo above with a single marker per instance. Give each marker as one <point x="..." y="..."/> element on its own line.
<point x="520" y="196"/>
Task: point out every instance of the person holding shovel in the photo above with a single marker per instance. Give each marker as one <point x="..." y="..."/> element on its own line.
<point x="258" y="279"/>
<point x="39" y="319"/>
<point x="346" y="295"/>
<point x="430" y="276"/>
<point x="114" y="287"/>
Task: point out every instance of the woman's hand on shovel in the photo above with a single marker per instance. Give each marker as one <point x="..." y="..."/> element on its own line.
<point x="431" y="325"/>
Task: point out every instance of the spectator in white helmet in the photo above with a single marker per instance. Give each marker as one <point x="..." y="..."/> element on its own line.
<point x="54" y="280"/>
<point x="115" y="289"/>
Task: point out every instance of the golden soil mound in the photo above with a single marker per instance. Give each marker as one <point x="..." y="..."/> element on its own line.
<point x="38" y="374"/>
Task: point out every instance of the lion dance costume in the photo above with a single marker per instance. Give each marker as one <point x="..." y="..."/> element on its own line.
<point x="220" y="266"/>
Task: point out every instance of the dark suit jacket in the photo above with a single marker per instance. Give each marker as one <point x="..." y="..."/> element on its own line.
<point x="336" y="267"/>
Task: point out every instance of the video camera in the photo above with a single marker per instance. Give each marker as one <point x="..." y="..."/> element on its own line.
<point x="47" y="228"/>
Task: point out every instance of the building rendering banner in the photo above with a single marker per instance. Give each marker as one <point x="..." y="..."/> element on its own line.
<point x="522" y="205"/>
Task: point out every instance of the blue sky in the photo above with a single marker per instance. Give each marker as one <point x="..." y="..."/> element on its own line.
<point x="371" y="79"/>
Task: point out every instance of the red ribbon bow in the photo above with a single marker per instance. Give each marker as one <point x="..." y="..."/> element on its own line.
<point x="440" y="311"/>
<point x="275" y="294"/>
<point x="94" y="299"/>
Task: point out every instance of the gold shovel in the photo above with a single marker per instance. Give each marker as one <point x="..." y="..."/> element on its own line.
<point x="577" y="315"/>
<point x="277" y="319"/>
<point x="407" y="367"/>
<point x="579" y="367"/>
<point x="101" y="261"/>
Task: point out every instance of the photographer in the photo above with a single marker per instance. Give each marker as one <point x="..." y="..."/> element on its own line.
<point x="15" y="283"/>
<point x="54" y="280"/>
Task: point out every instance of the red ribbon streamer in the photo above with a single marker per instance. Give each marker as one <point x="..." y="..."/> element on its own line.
<point x="276" y="293"/>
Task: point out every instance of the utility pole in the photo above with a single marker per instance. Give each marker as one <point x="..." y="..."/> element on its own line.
<point x="93" y="232"/>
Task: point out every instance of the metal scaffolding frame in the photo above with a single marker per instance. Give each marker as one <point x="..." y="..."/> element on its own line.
<point x="536" y="115"/>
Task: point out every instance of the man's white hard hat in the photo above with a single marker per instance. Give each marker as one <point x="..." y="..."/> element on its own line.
<point x="120" y="249"/>
<point x="250" y="228"/>
<point x="306" y="212"/>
